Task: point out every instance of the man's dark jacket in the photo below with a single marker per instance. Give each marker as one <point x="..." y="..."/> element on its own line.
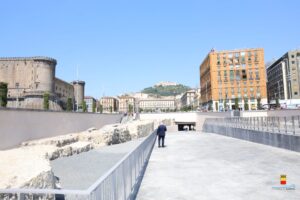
<point x="161" y="130"/>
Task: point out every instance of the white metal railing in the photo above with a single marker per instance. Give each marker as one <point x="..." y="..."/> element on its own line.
<point x="284" y="125"/>
<point x="119" y="183"/>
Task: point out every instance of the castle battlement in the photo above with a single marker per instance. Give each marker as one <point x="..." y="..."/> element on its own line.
<point x="34" y="58"/>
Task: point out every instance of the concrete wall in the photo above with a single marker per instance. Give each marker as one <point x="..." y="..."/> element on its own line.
<point x="17" y="126"/>
<point x="290" y="142"/>
<point x="198" y="117"/>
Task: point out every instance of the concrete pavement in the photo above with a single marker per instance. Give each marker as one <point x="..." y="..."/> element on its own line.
<point x="196" y="166"/>
<point x="82" y="170"/>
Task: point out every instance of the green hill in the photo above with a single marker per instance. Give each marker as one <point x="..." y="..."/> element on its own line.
<point x="170" y="90"/>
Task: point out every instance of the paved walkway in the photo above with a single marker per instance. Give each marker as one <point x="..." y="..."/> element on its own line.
<point x="82" y="170"/>
<point x="208" y="166"/>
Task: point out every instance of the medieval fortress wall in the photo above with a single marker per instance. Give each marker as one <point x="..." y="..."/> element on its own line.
<point x="29" y="78"/>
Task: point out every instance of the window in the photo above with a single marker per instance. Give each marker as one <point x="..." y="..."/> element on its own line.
<point x="292" y="56"/>
<point x="256" y="74"/>
<point x="237" y="76"/>
<point x="244" y="75"/>
<point x="250" y="74"/>
<point x="231" y="75"/>
<point x="225" y="76"/>
<point x="293" y="62"/>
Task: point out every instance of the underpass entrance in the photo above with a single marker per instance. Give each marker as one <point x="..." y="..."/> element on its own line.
<point x="186" y="126"/>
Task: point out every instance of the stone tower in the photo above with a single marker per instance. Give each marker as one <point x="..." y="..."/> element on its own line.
<point x="78" y="92"/>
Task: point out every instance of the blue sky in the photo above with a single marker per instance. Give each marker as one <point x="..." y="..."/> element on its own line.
<point x="125" y="46"/>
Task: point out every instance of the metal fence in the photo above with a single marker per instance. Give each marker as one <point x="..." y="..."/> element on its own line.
<point x="284" y="125"/>
<point x="119" y="183"/>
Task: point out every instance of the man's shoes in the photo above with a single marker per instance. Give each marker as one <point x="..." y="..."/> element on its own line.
<point x="164" y="146"/>
<point x="158" y="146"/>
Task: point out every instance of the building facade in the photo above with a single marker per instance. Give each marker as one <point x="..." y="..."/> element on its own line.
<point x="91" y="103"/>
<point x="197" y="101"/>
<point x="284" y="79"/>
<point x="109" y="104"/>
<point x="64" y="91"/>
<point x="29" y="78"/>
<point x="157" y="104"/>
<point x="126" y="102"/>
<point x="233" y="75"/>
<point x="188" y="98"/>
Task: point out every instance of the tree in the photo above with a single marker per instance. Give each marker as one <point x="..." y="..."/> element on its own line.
<point x="69" y="104"/>
<point x="277" y="103"/>
<point x="100" y="108"/>
<point x="259" y="103"/>
<point x="216" y="106"/>
<point x="110" y="109"/>
<point x="84" y="107"/>
<point x="46" y="101"/>
<point x="209" y="106"/>
<point x="93" y="107"/>
<point x="3" y="94"/>
<point x="246" y="105"/>
<point x="236" y="103"/>
<point x="130" y="108"/>
<point x="225" y="105"/>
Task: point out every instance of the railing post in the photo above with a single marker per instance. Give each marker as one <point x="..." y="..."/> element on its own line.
<point x="21" y="196"/>
<point x="285" y="126"/>
<point x="278" y="119"/>
<point x="267" y="124"/>
<point x="293" y="125"/>
<point x="273" y="125"/>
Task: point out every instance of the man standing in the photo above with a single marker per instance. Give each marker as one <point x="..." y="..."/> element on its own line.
<point x="161" y="132"/>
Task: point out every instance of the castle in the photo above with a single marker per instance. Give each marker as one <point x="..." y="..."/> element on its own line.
<point x="29" y="78"/>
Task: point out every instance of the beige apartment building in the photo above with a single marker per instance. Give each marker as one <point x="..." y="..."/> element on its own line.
<point x="109" y="104"/>
<point x="188" y="98"/>
<point x="125" y="101"/>
<point x="157" y="104"/>
<point x="233" y="74"/>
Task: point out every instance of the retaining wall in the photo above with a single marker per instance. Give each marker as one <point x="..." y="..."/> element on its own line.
<point x="17" y="126"/>
<point x="290" y="142"/>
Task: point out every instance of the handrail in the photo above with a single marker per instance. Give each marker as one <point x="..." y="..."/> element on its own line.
<point x="273" y="124"/>
<point x="141" y="155"/>
<point x="103" y="177"/>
